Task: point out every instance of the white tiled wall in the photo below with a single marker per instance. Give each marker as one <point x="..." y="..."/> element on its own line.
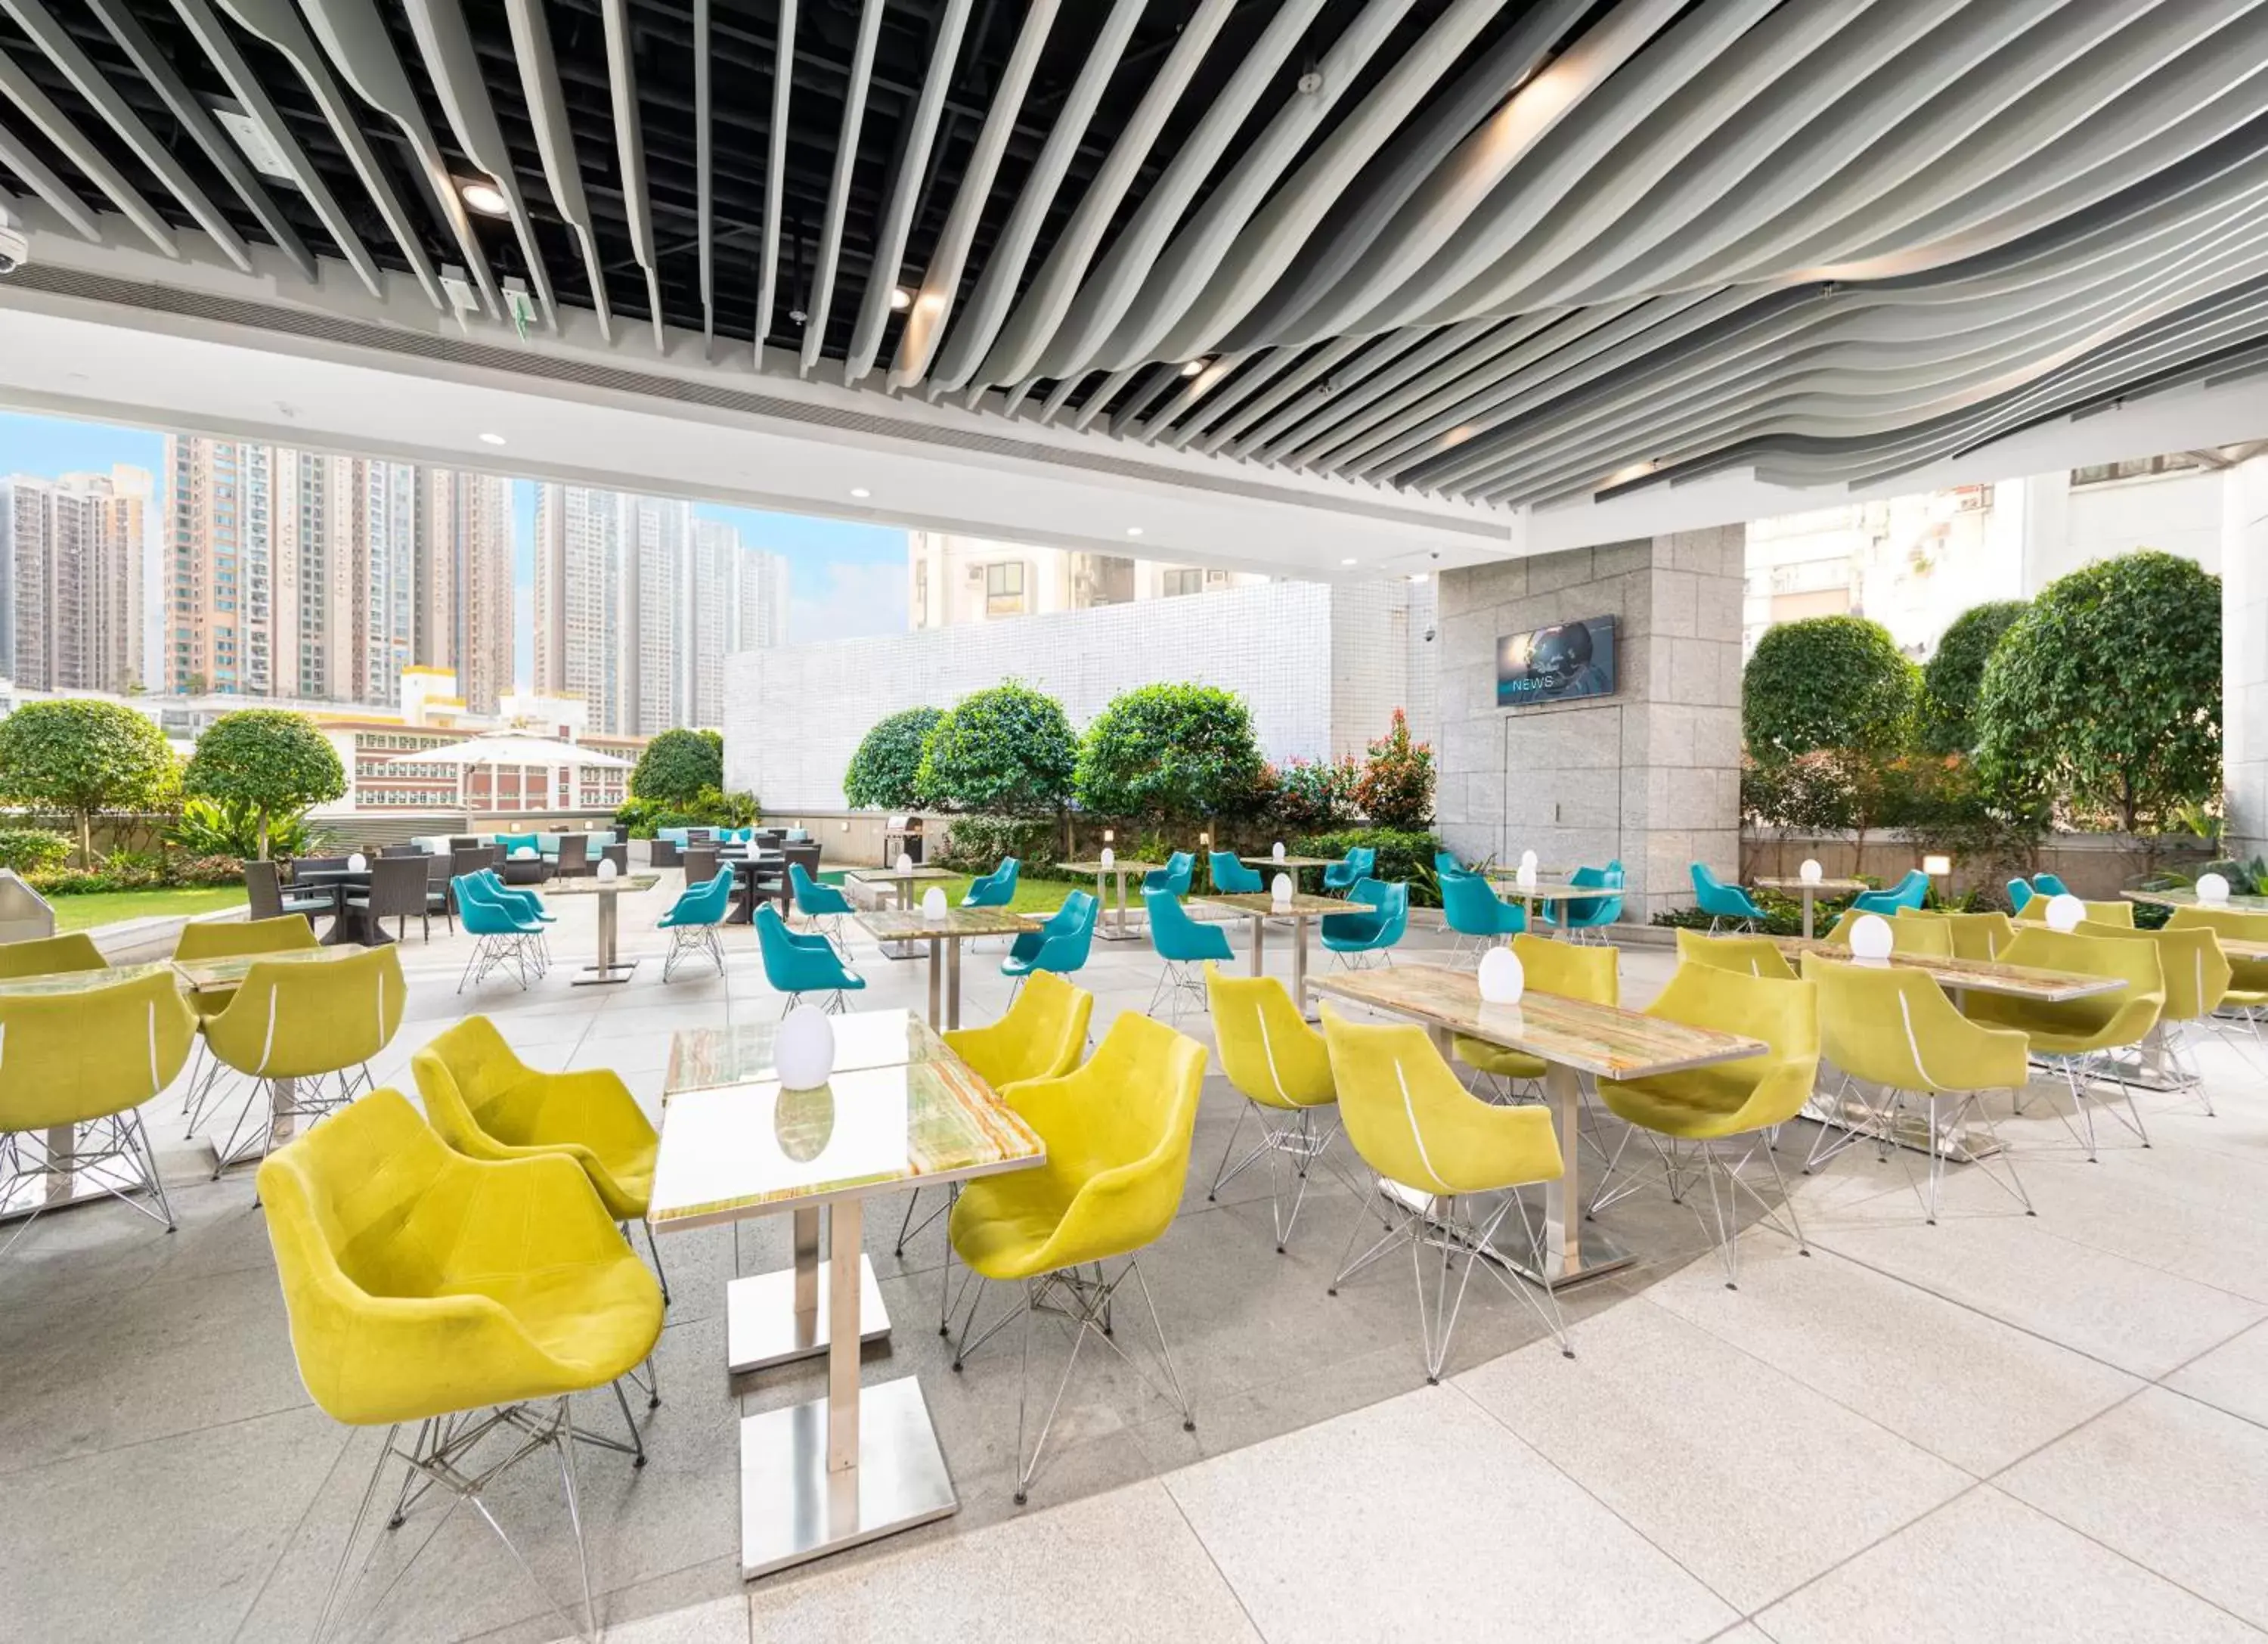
<point x="2244" y="655"/>
<point x="1322" y="668"/>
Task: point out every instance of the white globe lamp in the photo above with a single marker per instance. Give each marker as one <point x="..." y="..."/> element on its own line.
<point x="1870" y="939"/>
<point x="1810" y="873"/>
<point x="358" y="863"/>
<point x="608" y="868"/>
<point x="1279" y="891"/>
<point x="905" y="863"/>
<point x="2064" y="912"/>
<point x="2212" y="888"/>
<point x="933" y="904"/>
<point x="1109" y="857"/>
<point x="1528" y="858"/>
<point x="523" y="853"/>
<point x="1503" y="978"/>
<point x="1524" y="875"/>
<point x="1278" y="853"/>
<point x="804" y="1054"/>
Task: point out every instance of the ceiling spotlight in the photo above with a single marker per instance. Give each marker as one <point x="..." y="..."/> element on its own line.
<point x="1349" y="562"/>
<point x="860" y="492"/>
<point x="492" y="440"/>
<point x="1195" y="366"/>
<point x="900" y="299"/>
<point x="486" y="198"/>
<point x="1133" y="530"/>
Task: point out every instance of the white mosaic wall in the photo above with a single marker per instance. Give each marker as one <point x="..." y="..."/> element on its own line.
<point x="1322" y="668"/>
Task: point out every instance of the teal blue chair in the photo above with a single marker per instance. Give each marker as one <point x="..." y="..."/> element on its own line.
<point x="2019" y="893"/>
<point x="1480" y="917"/>
<point x="1184" y="945"/>
<point x="693" y="920"/>
<point x="1724" y="904"/>
<point x="1060" y="945"/>
<point x="1233" y="878"/>
<point x="502" y="935"/>
<point x="1910" y="892"/>
<point x="995" y="890"/>
<point x="823" y="905"/>
<point x="1350" y="870"/>
<point x="1446" y="865"/>
<point x="1357" y="940"/>
<point x="2049" y="885"/>
<point x="796" y="965"/>
<point x="1591" y="912"/>
<point x="1174" y="877"/>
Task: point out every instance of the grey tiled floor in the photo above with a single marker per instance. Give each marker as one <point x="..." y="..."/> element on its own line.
<point x="1996" y="1427"/>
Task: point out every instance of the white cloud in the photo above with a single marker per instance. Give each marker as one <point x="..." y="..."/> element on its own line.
<point x="853" y="601"/>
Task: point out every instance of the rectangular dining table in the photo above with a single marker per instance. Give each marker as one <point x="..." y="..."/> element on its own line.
<point x="1553" y="891"/>
<point x="1260" y="907"/>
<point x="1808" y="889"/>
<point x="861" y="1461"/>
<point x="1292" y="864"/>
<point x="1570" y="1037"/>
<point x="902" y="881"/>
<point x="945" y="933"/>
<point x="1111" y="923"/>
<point x="609" y="967"/>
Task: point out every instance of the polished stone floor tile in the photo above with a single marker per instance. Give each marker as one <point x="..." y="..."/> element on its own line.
<point x="1121" y="1568"/>
<point x="1749" y="1478"/>
<point x="1987" y="1567"/>
<point x="2175" y="1484"/>
<point x="2233" y="1376"/>
<point x="1391" y="1523"/>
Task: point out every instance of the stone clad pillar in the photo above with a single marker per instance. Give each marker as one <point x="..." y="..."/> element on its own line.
<point x="2244" y="655"/>
<point x="1651" y="774"/>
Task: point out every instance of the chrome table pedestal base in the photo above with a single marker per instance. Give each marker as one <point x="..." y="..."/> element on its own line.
<point x="794" y="1508"/>
<point x="763" y="1327"/>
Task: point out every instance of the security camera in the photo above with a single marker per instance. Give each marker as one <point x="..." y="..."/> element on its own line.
<point x="1429" y="636"/>
<point x="15" y="242"/>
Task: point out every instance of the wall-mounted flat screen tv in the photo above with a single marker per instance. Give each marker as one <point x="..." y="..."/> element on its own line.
<point x="1565" y="662"/>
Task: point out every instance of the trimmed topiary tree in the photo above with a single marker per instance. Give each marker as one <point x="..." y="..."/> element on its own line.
<point x="87" y="758"/>
<point x="677" y="766"/>
<point x="270" y="761"/>
<point x="2105" y="695"/>
<point x="1828" y="681"/>
<point x="1007" y="750"/>
<point x="1952" y="676"/>
<point x="1168" y="753"/>
<point x="886" y="772"/>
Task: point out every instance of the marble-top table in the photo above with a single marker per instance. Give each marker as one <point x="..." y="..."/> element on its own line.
<point x="1113" y="927"/>
<point x="1301" y="909"/>
<point x="1808" y="889"/>
<point x="945" y="934"/>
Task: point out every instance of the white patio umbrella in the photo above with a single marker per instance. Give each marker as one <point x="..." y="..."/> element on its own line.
<point x="505" y="749"/>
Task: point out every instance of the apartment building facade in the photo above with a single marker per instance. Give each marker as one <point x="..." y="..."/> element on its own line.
<point x="952" y="580"/>
<point x="71" y="563"/>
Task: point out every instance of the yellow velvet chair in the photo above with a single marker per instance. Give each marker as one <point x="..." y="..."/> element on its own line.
<point x="89" y="1061"/>
<point x="1041" y="1036"/>
<point x="1925" y="936"/>
<point x="1281" y="1067"/>
<point x="1590" y="974"/>
<point x="50" y="955"/>
<point x="304" y="1035"/>
<point x="1117" y="1131"/>
<point x="1415" y="1124"/>
<point x="486" y="1103"/>
<point x="2197" y="977"/>
<point x="1693" y="1110"/>
<point x="425" y="1286"/>
<point x="1751" y="955"/>
<point x="1894" y="1030"/>
<point x="2083" y="1038"/>
<point x="1975" y="935"/>
<point x="2247" y="995"/>
<point x="231" y="938"/>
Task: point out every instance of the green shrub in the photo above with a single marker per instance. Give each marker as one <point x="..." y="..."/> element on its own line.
<point x="1828" y="681"/>
<point x="268" y="764"/>
<point x="884" y="773"/>
<point x="1006" y="751"/>
<point x="1955" y="671"/>
<point x="1316" y="793"/>
<point x="976" y="843"/>
<point x="638" y="818"/>
<point x="1169" y="752"/>
<point x="677" y="765"/>
<point x="33" y="850"/>
<point x="231" y="829"/>
<point x="86" y="758"/>
<point x="1404" y="854"/>
<point x="2105" y="695"/>
<point x="1395" y="789"/>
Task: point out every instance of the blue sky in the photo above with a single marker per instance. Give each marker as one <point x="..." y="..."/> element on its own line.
<point x="845" y="578"/>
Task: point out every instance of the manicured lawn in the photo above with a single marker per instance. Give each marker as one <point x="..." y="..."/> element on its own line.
<point x="1034" y="896"/>
<point x="106" y="906"/>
